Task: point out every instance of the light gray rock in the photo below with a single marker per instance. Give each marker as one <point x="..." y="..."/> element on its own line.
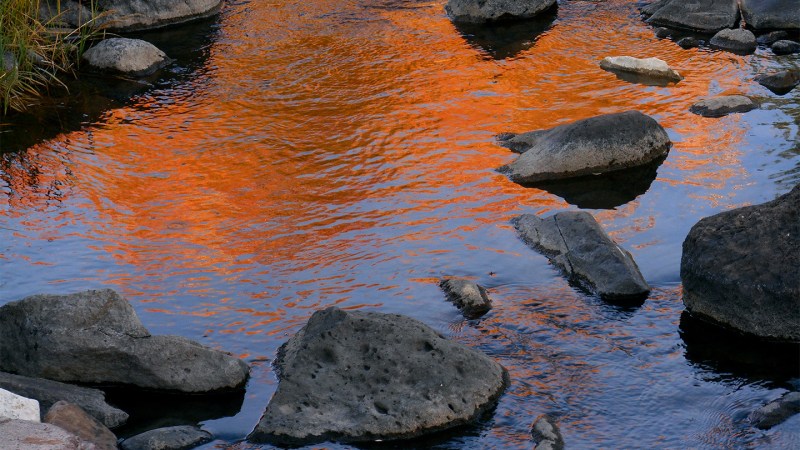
<point x="785" y="47"/>
<point x="595" y="145"/>
<point x="777" y="411"/>
<point x="707" y="16"/>
<point x="771" y="14"/>
<point x="129" y="15"/>
<point x="96" y="337"/>
<point x="13" y="406"/>
<point x="128" y="56"/>
<point x="468" y="296"/>
<point x="75" y="420"/>
<point x="781" y="82"/>
<point x="772" y="37"/>
<point x="740" y="269"/>
<point x="723" y="105"/>
<point x="648" y="67"/>
<point x="576" y="243"/>
<point x="170" y="438"/>
<point x="736" y="40"/>
<point x="27" y="435"/>
<point x="546" y="434"/>
<point x="480" y="11"/>
<point x="353" y="376"/>
<point x="48" y="392"/>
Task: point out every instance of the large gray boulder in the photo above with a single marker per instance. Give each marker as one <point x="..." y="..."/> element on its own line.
<point x="27" y="435"/>
<point x="590" y="146"/>
<point x="736" y="40"/>
<point x="48" y="392"/>
<point x="480" y="11"/>
<point x="128" y="15"/>
<point x="96" y="337"/>
<point x="646" y="67"/>
<point x="169" y="438"/>
<point x="133" y="57"/>
<point x="723" y="105"/>
<point x="575" y="242"/>
<point x="771" y="14"/>
<point x="740" y="269"/>
<point x="353" y="376"/>
<point x="706" y="16"/>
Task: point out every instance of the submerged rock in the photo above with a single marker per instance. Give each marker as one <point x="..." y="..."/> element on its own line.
<point x="353" y="376"/>
<point x="27" y="435"/>
<point x="481" y="11"/>
<point x="688" y="42"/>
<point x="468" y="296"/>
<point x="776" y="411"/>
<point x="785" y="47"/>
<point x="48" y="392"/>
<point x="96" y="337"/>
<point x="546" y="434"/>
<point x="13" y="406"/>
<point x="735" y="40"/>
<point x="75" y="420"/>
<point x="739" y="269"/>
<point x="576" y="243"/>
<point x="133" y="57"/>
<point x="771" y="14"/>
<point x="590" y="146"/>
<point x="127" y="15"/>
<point x="780" y="83"/>
<point x="723" y="105"/>
<point x="170" y="438"/>
<point x="707" y="16"/>
<point x="648" y="67"/>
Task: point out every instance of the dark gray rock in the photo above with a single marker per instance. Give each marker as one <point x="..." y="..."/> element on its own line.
<point x="771" y="14"/>
<point x="739" y="269"/>
<point x="546" y="434"/>
<point x="75" y="420"/>
<point x="27" y="435"/>
<point x="707" y="16"/>
<point x="128" y="15"/>
<point x="353" y="376"/>
<point x="737" y="40"/>
<point x="663" y="33"/>
<point x="646" y="67"/>
<point x="96" y="337"/>
<point x="777" y="411"/>
<point x="9" y="62"/>
<point x="481" y="11"/>
<point x="772" y="37"/>
<point x="785" y="47"/>
<point x="170" y="438"/>
<point x="468" y="296"/>
<point x="723" y="105"/>
<point x="48" y="392"/>
<point x="132" y="57"/>
<point x="688" y="42"/>
<point x="651" y="8"/>
<point x="780" y="83"/>
<point x="590" y="146"/>
<point x="576" y="243"/>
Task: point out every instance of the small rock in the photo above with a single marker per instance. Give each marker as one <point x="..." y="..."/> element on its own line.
<point x="127" y="15"/>
<point x="128" y="56"/>
<point x="48" y="392"/>
<point x="776" y="411"/>
<point x="649" y="67"/>
<point x="354" y="376"/>
<point x="772" y="37"/>
<point x="75" y="420"/>
<point x="771" y="14"/>
<point x="736" y="40"/>
<point x="27" y="435"/>
<point x="9" y="62"/>
<point x="688" y="42"/>
<point x="13" y="406"/>
<point x="705" y="16"/>
<point x="785" y="47"/>
<point x="170" y="438"/>
<point x="546" y="434"/>
<point x="780" y="83"/>
<point x="575" y="242"/>
<point x="468" y="296"/>
<point x="723" y="105"/>
<point x="481" y="11"/>
<point x="663" y="33"/>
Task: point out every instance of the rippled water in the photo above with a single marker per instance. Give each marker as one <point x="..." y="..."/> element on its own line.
<point x="307" y="154"/>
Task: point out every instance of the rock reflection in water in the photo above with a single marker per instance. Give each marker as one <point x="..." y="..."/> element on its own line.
<point x="506" y="40"/>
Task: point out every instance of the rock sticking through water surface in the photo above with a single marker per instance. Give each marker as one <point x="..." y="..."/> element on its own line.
<point x="480" y="11"/>
<point x="170" y="438"/>
<point x="590" y="146"/>
<point x="723" y="105"/>
<point x="132" y="57"/>
<point x="576" y="243"/>
<point x="737" y="40"/>
<point x="771" y="14"/>
<point x="546" y="434"/>
<point x="740" y="269"/>
<point x="354" y="376"/>
<point x="780" y="83"/>
<point x="75" y="420"/>
<point x="13" y="406"/>
<point x="785" y="47"/>
<point x="647" y="67"/>
<point x="776" y="411"/>
<point x="468" y="296"/>
<point x="96" y="337"/>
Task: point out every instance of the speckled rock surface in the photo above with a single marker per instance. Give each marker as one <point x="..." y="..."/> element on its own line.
<point x="128" y="56"/>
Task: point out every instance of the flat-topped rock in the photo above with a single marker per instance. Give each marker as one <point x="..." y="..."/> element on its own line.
<point x="736" y="40"/>
<point x="578" y="245"/>
<point x="771" y="14"/>
<point x="468" y="296"/>
<point x="27" y="435"/>
<point x="169" y="438"/>
<point x="723" y="105"/>
<point x="781" y="82"/>
<point x="648" y="67"/>
<point x="353" y="376"/>
<point x="706" y="16"/>
<point x="133" y="57"/>
<point x="481" y="11"/>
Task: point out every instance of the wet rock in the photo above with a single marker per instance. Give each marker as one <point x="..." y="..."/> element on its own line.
<point x="590" y="146"/>
<point x="688" y="42"/>
<point x="648" y="67"/>
<point x="576" y="243"/>
<point x="128" y="56"/>
<point x="13" y="406"/>
<point x="27" y="435"/>
<point x="353" y="376"/>
<point x="785" y="47"/>
<point x="707" y="16"/>
<point x="481" y="11"/>
<point x="75" y="420"/>
<point x="170" y="438"/>
<point x="127" y="15"/>
<point x="663" y="33"/>
<point x="780" y="83"/>
<point x="772" y="37"/>
<point x="771" y="14"/>
<point x="777" y="411"/>
<point x="739" y="269"/>
<point x="737" y="40"/>
<point x="546" y="434"/>
<point x="96" y="337"/>
<point x="468" y="296"/>
<point x="723" y="105"/>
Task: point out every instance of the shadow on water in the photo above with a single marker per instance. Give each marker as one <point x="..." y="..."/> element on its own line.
<point x="88" y="97"/>
<point x="731" y="354"/>
<point x="507" y="39"/>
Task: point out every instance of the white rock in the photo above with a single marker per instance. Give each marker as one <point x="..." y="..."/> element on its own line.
<point x="649" y="67"/>
<point x="13" y="406"/>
